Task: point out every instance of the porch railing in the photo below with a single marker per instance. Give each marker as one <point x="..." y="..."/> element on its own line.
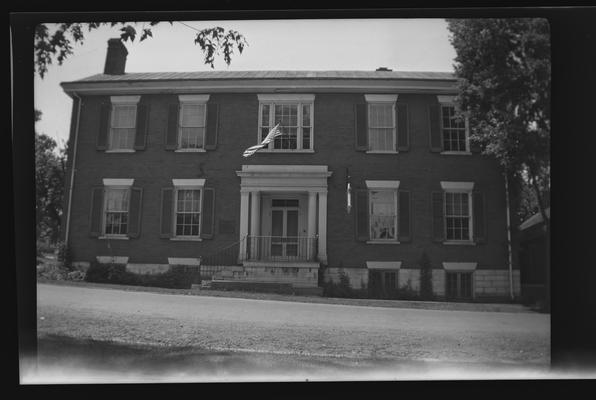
<point x="281" y="248"/>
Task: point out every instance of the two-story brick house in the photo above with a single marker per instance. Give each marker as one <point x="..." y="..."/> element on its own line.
<point x="371" y="171"/>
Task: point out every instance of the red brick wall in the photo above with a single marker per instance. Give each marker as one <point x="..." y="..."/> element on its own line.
<point x="418" y="170"/>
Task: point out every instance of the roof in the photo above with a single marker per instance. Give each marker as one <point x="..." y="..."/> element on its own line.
<point x="222" y="75"/>
<point x="533" y="220"/>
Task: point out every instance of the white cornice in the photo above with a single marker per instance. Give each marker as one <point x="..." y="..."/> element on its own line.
<point x="193" y="98"/>
<point x="380" y="98"/>
<point x="383" y="264"/>
<point x="125" y="99"/>
<point x="188" y="182"/>
<point x="118" y="182"/>
<point x="445" y="99"/>
<point x="382" y="184"/>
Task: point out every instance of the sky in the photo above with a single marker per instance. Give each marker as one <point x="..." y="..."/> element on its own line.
<point x="317" y="44"/>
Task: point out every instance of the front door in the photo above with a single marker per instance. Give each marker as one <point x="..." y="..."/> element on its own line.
<point x="284" y="228"/>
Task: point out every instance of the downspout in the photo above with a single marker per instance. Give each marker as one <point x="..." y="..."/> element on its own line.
<point x="72" y="167"/>
<point x="509" y="237"/>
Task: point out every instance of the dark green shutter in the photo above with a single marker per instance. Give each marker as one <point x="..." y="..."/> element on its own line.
<point x="104" y="126"/>
<point x="167" y="212"/>
<point x="208" y="213"/>
<point x="479" y="217"/>
<point x="404" y="223"/>
<point x="403" y="127"/>
<point x="362" y="227"/>
<point x="361" y="127"/>
<point x="438" y="222"/>
<point x="96" y="214"/>
<point x="212" y="126"/>
<point x="436" y="139"/>
<point x="134" y="212"/>
<point x="172" y="131"/>
<point x="141" y="126"/>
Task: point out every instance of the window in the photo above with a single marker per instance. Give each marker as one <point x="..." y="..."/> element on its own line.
<point x="457" y="216"/>
<point x="123" y="122"/>
<point x="457" y="211"/>
<point x="294" y="113"/>
<point x="458" y="285"/>
<point x="116" y="208"/>
<point x="454" y="130"/>
<point x="381" y="122"/>
<point x="192" y="122"/>
<point x="188" y="212"/>
<point x="383" y="214"/>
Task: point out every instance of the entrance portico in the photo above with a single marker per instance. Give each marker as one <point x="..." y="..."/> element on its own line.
<point x="283" y="213"/>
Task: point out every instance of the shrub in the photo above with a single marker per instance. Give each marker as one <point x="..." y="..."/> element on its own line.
<point x="426" y="273"/>
<point x="407" y="292"/>
<point x="65" y="255"/>
<point x="341" y="289"/>
<point x="177" y="277"/>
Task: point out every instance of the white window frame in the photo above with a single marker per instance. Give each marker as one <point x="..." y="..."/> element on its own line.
<point x="299" y="100"/>
<point x="122" y="101"/>
<point x="448" y="101"/>
<point x="187" y="184"/>
<point x="383" y="186"/>
<point x="191" y="99"/>
<point x="465" y="188"/>
<point x="381" y="99"/>
<point x="110" y="184"/>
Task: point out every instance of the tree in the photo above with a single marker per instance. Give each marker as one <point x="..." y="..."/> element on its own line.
<point x="49" y="186"/>
<point x="505" y="82"/>
<point x="57" y="46"/>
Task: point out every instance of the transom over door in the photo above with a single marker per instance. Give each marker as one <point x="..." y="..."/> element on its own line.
<point x="284" y="230"/>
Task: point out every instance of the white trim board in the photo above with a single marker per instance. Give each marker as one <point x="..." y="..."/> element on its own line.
<point x="383" y="264"/>
<point x="382" y="184"/>
<point x="380" y="98"/>
<point x="459" y="266"/>
<point x="286" y="97"/>
<point x="460" y="186"/>
<point x="188" y="182"/>
<point x="193" y="98"/>
<point x="118" y="182"/>
<point x="184" y="261"/>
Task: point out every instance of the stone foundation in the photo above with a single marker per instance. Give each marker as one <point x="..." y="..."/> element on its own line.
<point x="358" y="276"/>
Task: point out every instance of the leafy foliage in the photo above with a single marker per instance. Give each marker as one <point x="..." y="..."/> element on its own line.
<point x="505" y="71"/>
<point x="49" y="187"/>
<point x="58" y="45"/>
<point x="177" y="277"/>
<point x="426" y="286"/>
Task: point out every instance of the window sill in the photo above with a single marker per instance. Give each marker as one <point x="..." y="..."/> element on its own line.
<point x="382" y="242"/>
<point x="382" y="152"/>
<point x="114" y="238"/>
<point x="190" y="151"/>
<point x="121" y="151"/>
<point x="456" y="153"/>
<point x="460" y="242"/>
<point x="186" y="239"/>
<point x="286" y="151"/>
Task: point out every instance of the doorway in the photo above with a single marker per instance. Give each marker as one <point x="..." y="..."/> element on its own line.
<point x="284" y="228"/>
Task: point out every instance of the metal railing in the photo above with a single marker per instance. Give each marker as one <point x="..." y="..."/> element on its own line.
<point x="224" y="256"/>
<point x="281" y="248"/>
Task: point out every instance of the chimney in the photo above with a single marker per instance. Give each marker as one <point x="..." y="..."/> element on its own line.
<point x="384" y="69"/>
<point x="115" y="58"/>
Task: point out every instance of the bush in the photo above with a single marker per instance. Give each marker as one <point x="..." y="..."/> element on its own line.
<point x="341" y="289"/>
<point x="177" y="277"/>
<point x="426" y="273"/>
<point x="407" y="292"/>
<point x="65" y="255"/>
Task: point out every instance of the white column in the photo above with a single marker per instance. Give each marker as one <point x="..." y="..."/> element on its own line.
<point x="312" y="221"/>
<point x="323" y="227"/>
<point x="255" y="213"/>
<point x="243" y="224"/>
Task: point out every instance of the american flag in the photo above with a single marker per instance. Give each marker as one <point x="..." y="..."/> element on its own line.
<point x="273" y="133"/>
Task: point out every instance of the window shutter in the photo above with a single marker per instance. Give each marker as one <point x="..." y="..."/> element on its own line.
<point x="479" y="217"/>
<point x="96" y="213"/>
<point x="436" y="140"/>
<point x="361" y="127"/>
<point x="212" y="126"/>
<point x="362" y="228"/>
<point x="141" y="126"/>
<point x="404" y="217"/>
<point x="134" y="212"/>
<point x="438" y="222"/>
<point x="403" y="127"/>
<point x="167" y="212"/>
<point x="104" y="126"/>
<point x="208" y="213"/>
<point x="172" y="131"/>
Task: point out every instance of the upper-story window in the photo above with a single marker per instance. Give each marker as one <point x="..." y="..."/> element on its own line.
<point x="294" y="113"/>
<point x="381" y="122"/>
<point x="123" y="123"/>
<point x="192" y="122"/>
<point x="454" y="128"/>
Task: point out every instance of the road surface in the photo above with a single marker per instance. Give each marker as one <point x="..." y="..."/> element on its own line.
<point x="305" y="331"/>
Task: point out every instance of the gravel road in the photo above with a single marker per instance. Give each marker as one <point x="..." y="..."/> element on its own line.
<point x="295" y="329"/>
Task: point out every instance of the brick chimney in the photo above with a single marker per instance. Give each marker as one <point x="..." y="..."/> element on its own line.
<point x="115" y="58"/>
<point x="384" y="69"/>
